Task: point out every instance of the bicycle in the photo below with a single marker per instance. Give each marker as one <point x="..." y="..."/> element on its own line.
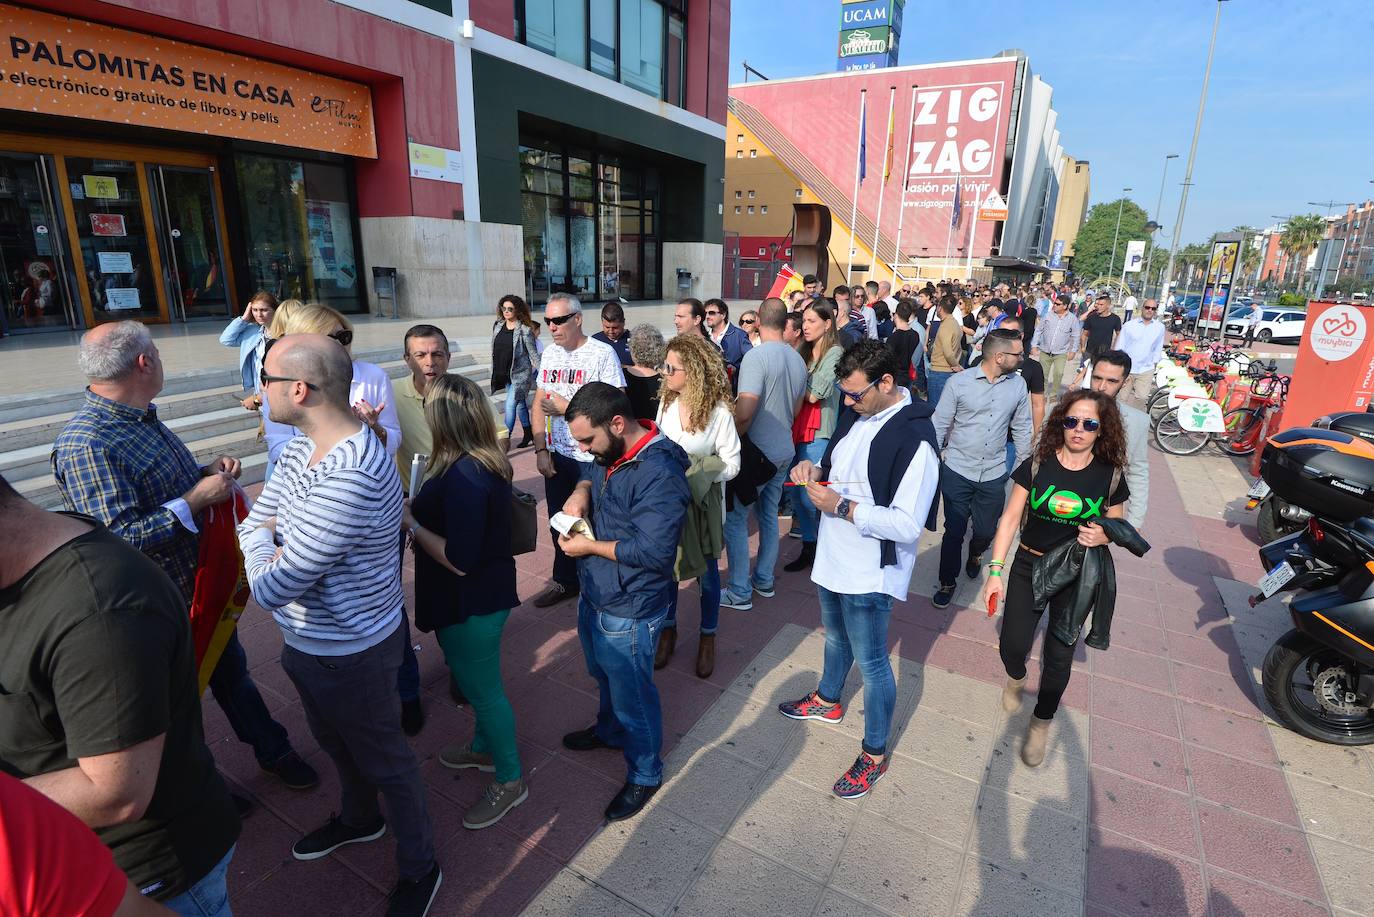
<point x="1241" y="426"/>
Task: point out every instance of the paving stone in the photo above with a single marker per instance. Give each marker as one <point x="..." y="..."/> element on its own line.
<point x="1348" y="879"/>
<point x="1139" y="754"/>
<point x="1058" y="782"/>
<point x="771" y="681"/>
<point x="1134" y="879"/>
<point x="989" y="890"/>
<point x="835" y="904"/>
<point x="1335" y="765"/>
<point x="1143" y="811"/>
<point x="1136" y="706"/>
<point x="1068" y="732"/>
<point x="816" y="755"/>
<point x="1232" y="896"/>
<point x="1334" y="813"/>
<point x="751" y="731"/>
<point x="1258" y="849"/>
<point x="798" y="826"/>
<point x="1022" y="836"/>
<point x="649" y="860"/>
<point x="1216" y="650"/>
<point x="1222" y="730"/>
<point x="922" y="798"/>
<point x="737" y="881"/>
<point x="574" y="895"/>
<point x="1216" y="688"/>
<point x="957" y="696"/>
<point x="1252" y="788"/>
<point x="793" y="638"/>
<point x="1144" y="669"/>
<point x="922" y="880"/>
<point x="953" y="745"/>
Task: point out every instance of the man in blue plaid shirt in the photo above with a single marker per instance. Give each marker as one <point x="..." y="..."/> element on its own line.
<point x="116" y="462"/>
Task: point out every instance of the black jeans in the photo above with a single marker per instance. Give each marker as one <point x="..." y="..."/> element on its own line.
<point x="1019" y="621"/>
<point x="557" y="489"/>
<point x="967" y="500"/>
<point x="244" y="708"/>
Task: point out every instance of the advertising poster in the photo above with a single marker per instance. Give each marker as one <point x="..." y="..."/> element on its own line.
<point x="116" y="262"/>
<point x="870" y="31"/>
<point x="1221" y="270"/>
<point x="107" y="224"/>
<point x="1057" y="255"/>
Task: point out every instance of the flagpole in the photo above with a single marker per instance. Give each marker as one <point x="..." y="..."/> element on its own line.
<point x="972" y="233"/>
<point x="858" y="155"/>
<point x="906" y="182"/>
<point x="949" y="234"/>
<point x="882" y="185"/>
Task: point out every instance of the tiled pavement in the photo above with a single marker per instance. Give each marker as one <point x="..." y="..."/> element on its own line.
<point x="1165" y="790"/>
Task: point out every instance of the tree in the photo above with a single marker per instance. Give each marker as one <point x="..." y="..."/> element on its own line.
<point x="1300" y="237"/>
<point x="1092" y="250"/>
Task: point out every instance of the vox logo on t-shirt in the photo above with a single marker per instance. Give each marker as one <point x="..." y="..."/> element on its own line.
<point x="1065" y="505"/>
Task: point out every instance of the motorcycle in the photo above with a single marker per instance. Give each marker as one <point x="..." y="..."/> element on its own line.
<point x="1276" y="517"/>
<point x="1319" y="677"/>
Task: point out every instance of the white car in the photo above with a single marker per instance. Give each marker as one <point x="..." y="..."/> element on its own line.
<point x="1274" y="325"/>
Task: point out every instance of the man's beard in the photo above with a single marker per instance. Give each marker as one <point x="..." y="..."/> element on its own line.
<point x="615" y="451"/>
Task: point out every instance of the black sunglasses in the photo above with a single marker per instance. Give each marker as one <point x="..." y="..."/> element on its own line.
<point x="1089" y="425"/>
<point x="267" y="380"/>
<point x="344" y="336"/>
<point x="746" y="321"/>
<point x="555" y="320"/>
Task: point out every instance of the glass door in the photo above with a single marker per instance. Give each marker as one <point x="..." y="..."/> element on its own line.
<point x="187" y="217"/>
<point x="36" y="292"/>
<point x="112" y="233"/>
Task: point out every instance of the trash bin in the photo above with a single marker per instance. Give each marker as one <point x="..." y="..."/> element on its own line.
<point x="684" y="282"/>
<point x="384" y="285"/>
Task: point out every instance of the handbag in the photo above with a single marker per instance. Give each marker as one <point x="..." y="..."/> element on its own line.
<point x="524" y="522"/>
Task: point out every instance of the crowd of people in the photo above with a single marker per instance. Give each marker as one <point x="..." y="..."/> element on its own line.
<point x="860" y="415"/>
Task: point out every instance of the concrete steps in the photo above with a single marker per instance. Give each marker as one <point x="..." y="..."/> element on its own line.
<point x="202" y="408"/>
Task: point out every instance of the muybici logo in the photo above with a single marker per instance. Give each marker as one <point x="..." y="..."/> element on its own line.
<point x="1337" y="333"/>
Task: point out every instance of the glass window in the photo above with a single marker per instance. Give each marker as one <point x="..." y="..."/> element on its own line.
<point x="737" y="194"/>
<point x="546" y="243"/>
<point x="739" y="154"/>
<point x="113" y="238"/>
<point x="751" y="195"/>
<point x="641" y="46"/>
<point x="558" y="28"/>
<point x="298" y="227"/>
<point x="737" y="208"/>
<point x="675" y="90"/>
<point x="603" y="41"/>
<point x="763" y="209"/>
<point x="751" y="209"/>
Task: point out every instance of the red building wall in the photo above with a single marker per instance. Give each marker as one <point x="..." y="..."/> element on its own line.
<point x="820" y="116"/>
<point x="414" y="92"/>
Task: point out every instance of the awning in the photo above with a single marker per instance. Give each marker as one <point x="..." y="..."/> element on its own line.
<point x="1016" y="265"/>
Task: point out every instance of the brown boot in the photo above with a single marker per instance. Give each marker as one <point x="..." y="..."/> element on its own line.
<point x="1011" y="694"/>
<point x="1037" y="735"/>
<point x="706" y="655"/>
<point x="667" y="642"/>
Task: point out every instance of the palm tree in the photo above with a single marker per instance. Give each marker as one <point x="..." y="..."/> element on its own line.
<point x="1300" y="237"/>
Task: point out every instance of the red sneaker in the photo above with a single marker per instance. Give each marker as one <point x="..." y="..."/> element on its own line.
<point x="812" y="707"/>
<point x="860" y="777"/>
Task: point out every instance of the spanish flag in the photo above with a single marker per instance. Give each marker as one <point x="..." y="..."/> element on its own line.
<point x="787" y="281"/>
<point x="887" y="160"/>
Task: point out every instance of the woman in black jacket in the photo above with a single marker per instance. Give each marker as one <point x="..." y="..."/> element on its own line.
<point x="1075" y="476"/>
<point x="465" y="578"/>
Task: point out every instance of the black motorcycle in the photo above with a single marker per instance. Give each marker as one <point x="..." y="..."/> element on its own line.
<point x="1319" y="677"/>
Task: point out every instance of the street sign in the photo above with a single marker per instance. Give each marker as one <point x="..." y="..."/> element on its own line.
<point x="993" y="207"/>
<point x="1057" y="255"/>
<point x="1135" y="256"/>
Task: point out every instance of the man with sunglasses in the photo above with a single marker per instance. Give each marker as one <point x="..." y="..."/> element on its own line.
<point x="731" y="339"/>
<point x="875" y="488"/>
<point x="1142" y="339"/>
<point x="570" y="361"/>
<point x="1109" y="376"/>
<point x="976" y="411"/>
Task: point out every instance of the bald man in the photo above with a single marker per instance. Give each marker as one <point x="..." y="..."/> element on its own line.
<point x="320" y="551"/>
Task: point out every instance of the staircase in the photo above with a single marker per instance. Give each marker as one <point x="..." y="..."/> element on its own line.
<point x="202" y="408"/>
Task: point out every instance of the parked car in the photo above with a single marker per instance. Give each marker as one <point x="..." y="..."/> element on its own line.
<point x="1274" y="325"/>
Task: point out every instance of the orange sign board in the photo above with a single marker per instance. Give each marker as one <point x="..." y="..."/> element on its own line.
<point x="55" y="65"/>
<point x="993" y="207"/>
<point x="1335" y="365"/>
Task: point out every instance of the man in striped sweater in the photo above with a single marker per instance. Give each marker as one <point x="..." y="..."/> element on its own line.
<point x="320" y="551"/>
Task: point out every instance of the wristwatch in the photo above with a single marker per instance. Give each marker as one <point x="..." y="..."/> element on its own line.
<point x="843" y="508"/>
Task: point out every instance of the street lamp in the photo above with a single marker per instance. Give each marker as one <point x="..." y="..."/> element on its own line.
<point x="1111" y="265"/>
<point x="1192" y="156"/>
<point x="1149" y="258"/>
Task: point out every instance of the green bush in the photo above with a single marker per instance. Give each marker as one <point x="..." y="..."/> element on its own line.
<point x="1292" y="299"/>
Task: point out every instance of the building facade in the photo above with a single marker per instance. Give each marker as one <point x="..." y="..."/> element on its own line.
<point x="1069" y="216"/>
<point x="1357" y="259"/>
<point x="978" y="130"/>
<point x="165" y="165"/>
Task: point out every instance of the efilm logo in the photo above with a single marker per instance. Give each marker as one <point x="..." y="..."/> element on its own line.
<point x="1066" y="505"/>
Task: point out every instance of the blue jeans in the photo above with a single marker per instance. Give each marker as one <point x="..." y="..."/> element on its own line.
<point x="856" y="630"/>
<point x="803" y="510"/>
<point x="967" y="500"/>
<point x="209" y="897"/>
<point x="737" y="538"/>
<point x="935" y="384"/>
<point x="244" y="708"/>
<point x="516" y="407"/>
<point x="620" y="656"/>
<point x="709" y="584"/>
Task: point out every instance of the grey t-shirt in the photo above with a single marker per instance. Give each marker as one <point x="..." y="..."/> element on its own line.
<point x="777" y="375"/>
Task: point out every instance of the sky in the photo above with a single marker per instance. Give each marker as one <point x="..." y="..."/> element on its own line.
<point x="1290" y="108"/>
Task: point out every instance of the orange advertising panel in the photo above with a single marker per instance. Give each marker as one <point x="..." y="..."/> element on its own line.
<point x="56" y="65"/>
<point x="1335" y="366"/>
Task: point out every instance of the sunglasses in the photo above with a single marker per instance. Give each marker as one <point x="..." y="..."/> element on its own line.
<point x="668" y="369"/>
<point x="745" y="321"/>
<point x="554" y="321"/>
<point x="712" y="311"/>
<point x="856" y="397"/>
<point x="343" y="336"/>
<point x="268" y="380"/>
<point x="1089" y="425"/>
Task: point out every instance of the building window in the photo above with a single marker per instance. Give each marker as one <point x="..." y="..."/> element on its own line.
<point x="739" y="138"/>
<point x="739" y="154"/>
<point x="641" y="43"/>
<point x="737" y="209"/>
<point x="753" y="154"/>
<point x="763" y="209"/>
<point x="737" y="194"/>
<point x="762" y="251"/>
<point x="751" y="210"/>
<point x="798" y="194"/>
<point x="751" y="195"/>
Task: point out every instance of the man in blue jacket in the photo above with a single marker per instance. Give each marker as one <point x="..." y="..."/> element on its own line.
<point x="732" y="340"/>
<point x="635" y="497"/>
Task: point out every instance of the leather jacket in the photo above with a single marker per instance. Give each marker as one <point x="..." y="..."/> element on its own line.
<point x="1090" y="576"/>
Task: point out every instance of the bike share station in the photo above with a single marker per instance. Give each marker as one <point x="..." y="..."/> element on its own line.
<point x="1318" y="461"/>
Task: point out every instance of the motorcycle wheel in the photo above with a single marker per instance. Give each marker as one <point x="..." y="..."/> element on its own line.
<point x="1272" y="526"/>
<point x="1297" y="670"/>
<point x="1173" y="439"/>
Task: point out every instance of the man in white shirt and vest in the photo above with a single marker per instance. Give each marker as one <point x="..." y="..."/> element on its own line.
<point x="883" y="463"/>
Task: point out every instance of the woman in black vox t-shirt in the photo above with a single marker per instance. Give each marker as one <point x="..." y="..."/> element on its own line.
<point x="1082" y="449"/>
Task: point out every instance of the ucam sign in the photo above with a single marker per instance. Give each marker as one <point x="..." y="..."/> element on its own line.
<point x="869" y="13"/>
<point x="869" y="34"/>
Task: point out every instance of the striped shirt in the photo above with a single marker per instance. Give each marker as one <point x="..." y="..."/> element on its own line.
<point x="336" y="587"/>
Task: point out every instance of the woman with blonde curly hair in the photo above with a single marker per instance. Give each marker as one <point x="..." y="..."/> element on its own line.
<point x="696" y="411"/>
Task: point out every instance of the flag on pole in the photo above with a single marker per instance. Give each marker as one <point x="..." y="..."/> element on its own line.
<point x="887" y="161"/>
<point x="786" y="281"/>
<point x="863" y="141"/>
<point x="958" y="213"/>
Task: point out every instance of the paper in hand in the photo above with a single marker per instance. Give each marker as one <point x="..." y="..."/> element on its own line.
<point x="567" y="525"/>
